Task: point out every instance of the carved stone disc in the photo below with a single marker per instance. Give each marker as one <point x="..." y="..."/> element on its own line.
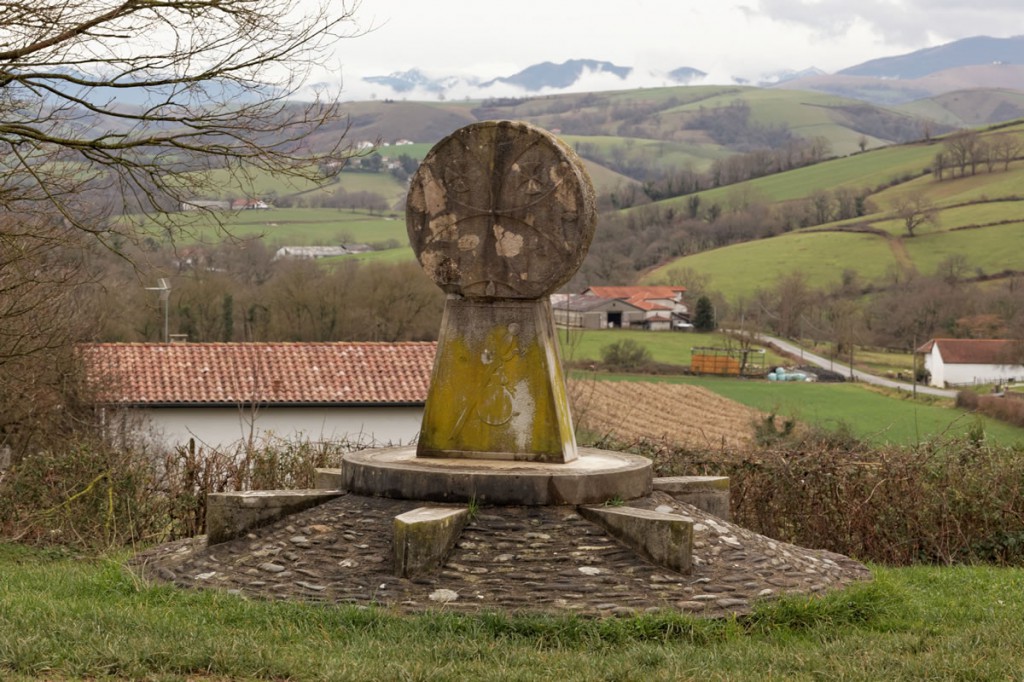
<point x="501" y="209"/>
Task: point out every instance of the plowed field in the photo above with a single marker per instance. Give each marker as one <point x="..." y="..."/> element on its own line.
<point x="678" y="414"/>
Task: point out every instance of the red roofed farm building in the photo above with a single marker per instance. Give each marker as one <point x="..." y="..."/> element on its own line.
<point x="960" y="362"/>
<point x="224" y="394"/>
<point x="650" y="307"/>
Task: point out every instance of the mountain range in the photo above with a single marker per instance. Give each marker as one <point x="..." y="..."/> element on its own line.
<point x="989" y="62"/>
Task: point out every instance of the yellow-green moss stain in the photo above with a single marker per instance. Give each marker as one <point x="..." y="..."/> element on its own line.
<point x="499" y="393"/>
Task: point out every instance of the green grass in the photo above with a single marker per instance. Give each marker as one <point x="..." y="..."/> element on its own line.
<point x="856" y="172"/>
<point x="669" y="347"/>
<point x="988" y="250"/>
<point x="66" y="618"/>
<point x="737" y="271"/>
<point x="868" y="414"/>
<point x="300" y="226"/>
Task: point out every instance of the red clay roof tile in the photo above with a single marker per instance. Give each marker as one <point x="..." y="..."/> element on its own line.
<point x="260" y="373"/>
<point x="976" y="351"/>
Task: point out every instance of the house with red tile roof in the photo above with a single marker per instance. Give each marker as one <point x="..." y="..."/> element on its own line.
<point x="960" y="362"/>
<point x="224" y="394"/>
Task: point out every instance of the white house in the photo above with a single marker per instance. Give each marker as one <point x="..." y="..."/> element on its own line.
<point x="958" y="362"/>
<point x="226" y="394"/>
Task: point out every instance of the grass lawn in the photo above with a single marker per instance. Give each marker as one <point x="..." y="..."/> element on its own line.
<point x="64" y="618"/>
<point x="870" y="415"/>
<point x="671" y="348"/>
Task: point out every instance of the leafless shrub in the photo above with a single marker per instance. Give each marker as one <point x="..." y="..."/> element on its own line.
<point x="945" y="502"/>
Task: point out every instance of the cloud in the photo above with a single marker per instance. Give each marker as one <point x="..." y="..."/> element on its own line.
<point x="911" y="23"/>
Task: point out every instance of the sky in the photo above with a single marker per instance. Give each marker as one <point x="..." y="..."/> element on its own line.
<point x="725" y="38"/>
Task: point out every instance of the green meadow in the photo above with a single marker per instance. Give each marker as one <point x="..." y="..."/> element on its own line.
<point x="868" y="414"/>
<point x="977" y="217"/>
<point x="738" y="270"/>
<point x="986" y="250"/>
<point x="868" y="170"/>
<point x="298" y="227"/>
<point x="668" y="347"/>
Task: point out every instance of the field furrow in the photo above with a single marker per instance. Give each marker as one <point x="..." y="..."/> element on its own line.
<point x="678" y="414"/>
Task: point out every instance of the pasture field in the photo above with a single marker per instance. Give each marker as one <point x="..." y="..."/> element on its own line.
<point x="260" y="183"/>
<point x="976" y="189"/>
<point x="988" y="250"/>
<point x="952" y="219"/>
<point x="987" y="213"/>
<point x="870" y="415"/>
<point x="855" y="172"/>
<point x="738" y="270"/>
<point x="669" y="347"/>
<point x="606" y="180"/>
<point x="299" y="226"/>
<point x="665" y="155"/>
<point x="399" y="255"/>
<point x="873" y="361"/>
<point x="807" y="114"/>
<point x="66" y="617"/>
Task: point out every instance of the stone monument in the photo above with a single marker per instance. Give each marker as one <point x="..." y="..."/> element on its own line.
<point x="500" y="214"/>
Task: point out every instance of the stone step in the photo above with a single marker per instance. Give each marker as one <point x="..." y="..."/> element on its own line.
<point x="664" y="539"/>
<point x="707" y="493"/>
<point x="232" y="515"/>
<point x="424" y="537"/>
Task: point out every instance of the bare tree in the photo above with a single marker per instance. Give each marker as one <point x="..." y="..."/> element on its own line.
<point x="914" y="210"/>
<point x="1005" y="147"/>
<point x="961" y="148"/>
<point x="118" y="106"/>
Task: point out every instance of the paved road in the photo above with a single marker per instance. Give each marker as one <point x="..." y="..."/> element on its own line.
<point x="844" y="369"/>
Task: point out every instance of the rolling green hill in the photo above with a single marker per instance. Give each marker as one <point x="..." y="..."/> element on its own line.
<point x="979" y="218"/>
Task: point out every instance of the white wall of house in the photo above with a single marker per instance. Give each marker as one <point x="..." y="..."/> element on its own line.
<point x="225" y="427"/>
<point x="943" y="374"/>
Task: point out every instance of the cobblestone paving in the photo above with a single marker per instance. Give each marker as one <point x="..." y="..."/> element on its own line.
<point x="510" y="558"/>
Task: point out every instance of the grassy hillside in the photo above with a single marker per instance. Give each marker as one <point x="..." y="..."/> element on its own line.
<point x="737" y="271"/>
<point x="972" y="107"/>
<point x="978" y="217"/>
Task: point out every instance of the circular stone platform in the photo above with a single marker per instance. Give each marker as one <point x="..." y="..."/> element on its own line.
<point x="595" y="477"/>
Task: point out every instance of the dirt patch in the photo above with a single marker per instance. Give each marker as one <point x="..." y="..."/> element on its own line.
<point x="680" y="414"/>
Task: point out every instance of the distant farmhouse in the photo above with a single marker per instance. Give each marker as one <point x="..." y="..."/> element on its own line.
<point x="635" y="307"/>
<point x="961" y="362"/>
<point x="313" y="252"/>
<point x="224" y="205"/>
<point x="226" y="394"/>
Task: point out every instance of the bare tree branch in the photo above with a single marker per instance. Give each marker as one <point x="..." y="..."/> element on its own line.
<point x="117" y="107"/>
